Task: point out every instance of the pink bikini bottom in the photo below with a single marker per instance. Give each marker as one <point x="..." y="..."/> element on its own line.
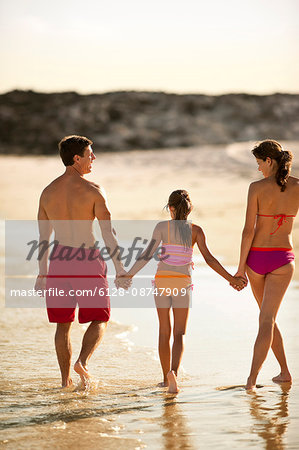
<point x="264" y="260"/>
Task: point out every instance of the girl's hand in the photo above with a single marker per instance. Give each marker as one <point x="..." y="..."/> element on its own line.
<point x="242" y="274"/>
<point x="122" y="280"/>
<point x="238" y="282"/>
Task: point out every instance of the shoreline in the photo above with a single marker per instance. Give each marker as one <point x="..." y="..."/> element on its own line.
<point x="217" y="178"/>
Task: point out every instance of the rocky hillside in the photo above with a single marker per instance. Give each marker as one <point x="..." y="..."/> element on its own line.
<point x="32" y="122"/>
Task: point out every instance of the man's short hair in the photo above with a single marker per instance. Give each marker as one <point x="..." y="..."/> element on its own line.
<point x="73" y="145"/>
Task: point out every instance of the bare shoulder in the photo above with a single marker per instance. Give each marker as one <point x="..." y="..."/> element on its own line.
<point x="161" y="226"/>
<point x="197" y="231"/>
<point x="256" y="185"/>
<point x="92" y="185"/>
<point x="163" y="223"/>
<point x="294" y="181"/>
<point x="292" y="189"/>
<point x="50" y="188"/>
<point x="96" y="190"/>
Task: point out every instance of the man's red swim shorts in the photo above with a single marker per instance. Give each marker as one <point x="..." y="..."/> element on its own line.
<point x="77" y="276"/>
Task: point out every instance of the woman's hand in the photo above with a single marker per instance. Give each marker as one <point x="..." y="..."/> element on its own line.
<point x="242" y="274"/>
<point x="239" y="281"/>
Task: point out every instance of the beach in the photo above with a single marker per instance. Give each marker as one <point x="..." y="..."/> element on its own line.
<point x="124" y="407"/>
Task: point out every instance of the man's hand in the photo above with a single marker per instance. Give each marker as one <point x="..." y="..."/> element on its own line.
<point x="122" y="280"/>
<point x="40" y="284"/>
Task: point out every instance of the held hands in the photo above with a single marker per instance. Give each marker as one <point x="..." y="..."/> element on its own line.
<point x="239" y="281"/>
<point x="122" y="280"/>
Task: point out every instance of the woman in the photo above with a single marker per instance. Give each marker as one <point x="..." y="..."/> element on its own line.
<point x="266" y="249"/>
<point x="173" y="279"/>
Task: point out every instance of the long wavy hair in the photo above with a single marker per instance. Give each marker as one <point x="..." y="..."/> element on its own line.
<point x="272" y="149"/>
<point x="182" y="205"/>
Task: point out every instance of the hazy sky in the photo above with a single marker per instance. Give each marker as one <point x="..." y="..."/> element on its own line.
<point x="210" y="46"/>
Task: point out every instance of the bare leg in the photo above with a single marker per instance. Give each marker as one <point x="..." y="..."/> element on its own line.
<point x="91" y="339"/>
<point x="180" y="316"/>
<point x="180" y="322"/>
<point x="257" y="283"/>
<point x="279" y="352"/>
<point x="64" y="351"/>
<point x="276" y="284"/>
<point x="164" y="342"/>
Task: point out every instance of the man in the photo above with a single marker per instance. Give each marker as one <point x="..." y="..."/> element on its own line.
<point x="69" y="205"/>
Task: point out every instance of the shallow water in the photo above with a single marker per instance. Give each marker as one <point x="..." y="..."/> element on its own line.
<point x="123" y="407"/>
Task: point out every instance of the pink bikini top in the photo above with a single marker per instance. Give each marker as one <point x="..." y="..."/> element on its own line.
<point x="282" y="218"/>
<point x="176" y="255"/>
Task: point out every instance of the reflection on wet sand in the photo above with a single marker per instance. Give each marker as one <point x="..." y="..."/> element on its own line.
<point x="271" y="421"/>
<point x="177" y="434"/>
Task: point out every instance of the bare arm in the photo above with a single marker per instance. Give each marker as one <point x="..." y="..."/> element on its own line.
<point x="103" y="215"/>
<point x="212" y="261"/>
<point x="148" y="253"/>
<point x="45" y="230"/>
<point x="249" y="228"/>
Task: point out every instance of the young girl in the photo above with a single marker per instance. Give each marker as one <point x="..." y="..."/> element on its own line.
<point x="173" y="279"/>
<point x="266" y="249"/>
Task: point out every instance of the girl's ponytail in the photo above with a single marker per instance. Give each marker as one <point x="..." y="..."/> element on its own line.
<point x="182" y="205"/>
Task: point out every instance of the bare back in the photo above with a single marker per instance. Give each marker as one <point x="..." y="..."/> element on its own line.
<point x="270" y="201"/>
<point x="69" y="203"/>
<point x="170" y="235"/>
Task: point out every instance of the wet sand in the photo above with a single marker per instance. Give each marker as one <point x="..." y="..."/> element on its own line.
<point x="124" y="407"/>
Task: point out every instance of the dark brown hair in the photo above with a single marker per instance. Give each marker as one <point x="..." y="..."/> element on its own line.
<point x="73" y="145"/>
<point x="182" y="205"/>
<point x="272" y="149"/>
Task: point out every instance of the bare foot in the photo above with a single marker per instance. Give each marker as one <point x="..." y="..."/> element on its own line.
<point x="282" y="378"/>
<point x="83" y="372"/>
<point x="163" y="384"/>
<point x="67" y="384"/>
<point x="172" y="383"/>
<point x="250" y="385"/>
